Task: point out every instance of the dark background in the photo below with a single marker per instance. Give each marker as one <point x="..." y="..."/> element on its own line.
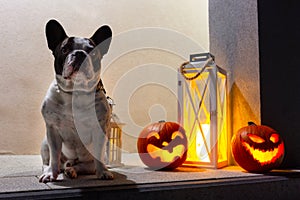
<point x="279" y="51"/>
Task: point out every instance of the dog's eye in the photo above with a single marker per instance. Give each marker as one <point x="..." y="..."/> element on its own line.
<point x="64" y="50"/>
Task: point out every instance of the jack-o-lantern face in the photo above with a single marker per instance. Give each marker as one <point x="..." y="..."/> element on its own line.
<point x="257" y="148"/>
<point x="162" y="145"/>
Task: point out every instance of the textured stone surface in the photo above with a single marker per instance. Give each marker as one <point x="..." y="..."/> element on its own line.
<point x="16" y="184"/>
<point x="15" y="166"/>
<point x="233" y="26"/>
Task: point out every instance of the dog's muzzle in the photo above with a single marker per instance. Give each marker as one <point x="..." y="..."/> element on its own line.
<point x="77" y="61"/>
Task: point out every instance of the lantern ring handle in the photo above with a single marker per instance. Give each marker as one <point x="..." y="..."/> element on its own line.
<point x="182" y="67"/>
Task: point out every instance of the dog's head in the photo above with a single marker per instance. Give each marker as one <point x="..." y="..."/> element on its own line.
<point x="77" y="60"/>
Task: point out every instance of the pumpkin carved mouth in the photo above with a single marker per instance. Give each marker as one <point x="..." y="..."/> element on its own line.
<point x="166" y="155"/>
<point x="265" y="157"/>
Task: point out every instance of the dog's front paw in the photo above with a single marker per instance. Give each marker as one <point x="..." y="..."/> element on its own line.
<point x="70" y="172"/>
<point x="48" y="175"/>
<point x="105" y="175"/>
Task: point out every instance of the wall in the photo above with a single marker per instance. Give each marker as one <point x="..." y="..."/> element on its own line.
<point x="233" y="33"/>
<point x="279" y="58"/>
<point x="140" y="71"/>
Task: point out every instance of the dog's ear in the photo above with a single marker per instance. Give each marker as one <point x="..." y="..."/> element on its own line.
<point x="102" y="38"/>
<point x="55" y="34"/>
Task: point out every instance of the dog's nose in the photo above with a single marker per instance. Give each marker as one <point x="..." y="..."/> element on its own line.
<point x="79" y="58"/>
<point x="79" y="54"/>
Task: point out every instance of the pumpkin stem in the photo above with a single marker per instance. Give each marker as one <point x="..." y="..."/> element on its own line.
<point x="161" y="121"/>
<point x="251" y="124"/>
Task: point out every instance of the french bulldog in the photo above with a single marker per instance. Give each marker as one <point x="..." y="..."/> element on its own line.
<point x="76" y="111"/>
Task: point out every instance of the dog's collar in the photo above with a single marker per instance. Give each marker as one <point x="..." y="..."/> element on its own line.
<point x="99" y="87"/>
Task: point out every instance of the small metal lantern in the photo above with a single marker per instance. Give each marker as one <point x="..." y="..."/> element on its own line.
<point x="114" y="145"/>
<point x="203" y="111"/>
<point x="114" y="142"/>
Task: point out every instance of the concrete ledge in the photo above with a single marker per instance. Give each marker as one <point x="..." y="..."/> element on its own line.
<point x="262" y="187"/>
<point x="18" y="180"/>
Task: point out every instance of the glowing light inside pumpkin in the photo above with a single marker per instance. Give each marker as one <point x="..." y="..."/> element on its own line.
<point x="265" y="157"/>
<point x="165" y="144"/>
<point x="164" y="154"/>
<point x="255" y="138"/>
<point x="155" y="134"/>
<point x="274" y="138"/>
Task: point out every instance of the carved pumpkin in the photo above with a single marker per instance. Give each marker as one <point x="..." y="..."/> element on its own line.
<point x="162" y="145"/>
<point x="257" y="148"/>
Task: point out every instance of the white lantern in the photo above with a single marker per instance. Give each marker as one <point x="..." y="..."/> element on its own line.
<point x="202" y="93"/>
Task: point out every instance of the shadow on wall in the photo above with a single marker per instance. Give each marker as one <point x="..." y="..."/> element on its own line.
<point x="241" y="111"/>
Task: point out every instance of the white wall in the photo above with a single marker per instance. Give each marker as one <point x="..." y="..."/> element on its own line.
<point x="139" y="54"/>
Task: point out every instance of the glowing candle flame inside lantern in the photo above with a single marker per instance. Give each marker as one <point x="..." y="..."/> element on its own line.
<point x="200" y="143"/>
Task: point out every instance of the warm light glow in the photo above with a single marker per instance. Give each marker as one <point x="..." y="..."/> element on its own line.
<point x="165" y="144"/>
<point x="177" y="134"/>
<point x="201" y="152"/>
<point x="255" y="138"/>
<point x="165" y="155"/>
<point x="265" y="157"/>
<point x="153" y="134"/>
<point x="274" y="138"/>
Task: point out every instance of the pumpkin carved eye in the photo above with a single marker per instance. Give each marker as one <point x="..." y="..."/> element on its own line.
<point x="274" y="138"/>
<point x="177" y="134"/>
<point x="153" y="134"/>
<point x="255" y="138"/>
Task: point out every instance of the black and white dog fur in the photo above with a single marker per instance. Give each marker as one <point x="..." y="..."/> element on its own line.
<point x="75" y="109"/>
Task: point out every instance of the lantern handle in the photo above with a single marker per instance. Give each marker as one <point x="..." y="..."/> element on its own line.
<point x="207" y="57"/>
<point x="182" y="67"/>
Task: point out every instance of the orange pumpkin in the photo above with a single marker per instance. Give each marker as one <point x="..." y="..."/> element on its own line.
<point x="162" y="145"/>
<point x="257" y="148"/>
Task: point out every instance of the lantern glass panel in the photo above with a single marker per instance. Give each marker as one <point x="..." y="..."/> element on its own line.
<point x="222" y="119"/>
